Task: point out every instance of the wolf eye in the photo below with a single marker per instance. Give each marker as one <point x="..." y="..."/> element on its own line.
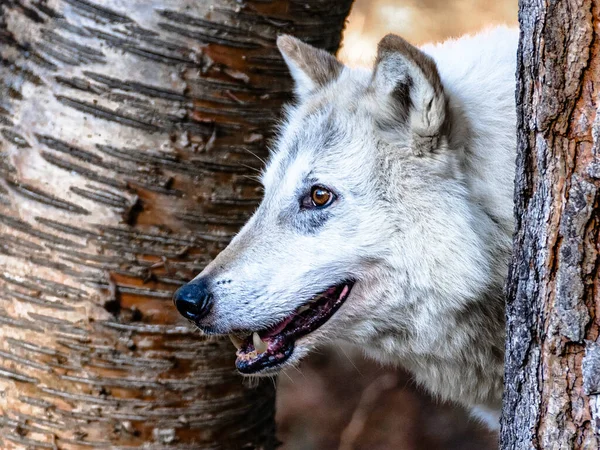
<point x="319" y="197"/>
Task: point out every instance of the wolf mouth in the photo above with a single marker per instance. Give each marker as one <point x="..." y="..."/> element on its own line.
<point x="269" y="348"/>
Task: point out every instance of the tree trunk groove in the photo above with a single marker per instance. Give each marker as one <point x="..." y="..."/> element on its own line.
<point x="129" y="131"/>
<point x="552" y="379"/>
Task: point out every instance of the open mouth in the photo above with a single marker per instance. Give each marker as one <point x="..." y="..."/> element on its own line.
<point x="270" y="348"/>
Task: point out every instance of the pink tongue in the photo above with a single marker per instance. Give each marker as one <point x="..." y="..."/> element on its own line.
<point x="278" y="328"/>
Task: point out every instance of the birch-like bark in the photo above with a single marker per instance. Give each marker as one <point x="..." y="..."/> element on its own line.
<point x="128" y="135"/>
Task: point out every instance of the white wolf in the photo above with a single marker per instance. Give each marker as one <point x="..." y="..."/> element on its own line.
<point x="386" y="221"/>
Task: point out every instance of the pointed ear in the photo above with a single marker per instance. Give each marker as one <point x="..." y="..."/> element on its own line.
<point x="408" y="87"/>
<point x="310" y="67"/>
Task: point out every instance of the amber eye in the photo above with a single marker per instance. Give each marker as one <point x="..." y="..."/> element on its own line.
<point x="320" y="196"/>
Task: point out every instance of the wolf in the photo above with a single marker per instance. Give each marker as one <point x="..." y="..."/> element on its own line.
<point x="386" y="221"/>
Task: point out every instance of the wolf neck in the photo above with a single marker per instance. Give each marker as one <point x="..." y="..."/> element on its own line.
<point x="455" y="353"/>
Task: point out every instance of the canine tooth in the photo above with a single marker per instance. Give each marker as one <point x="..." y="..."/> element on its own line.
<point x="260" y="345"/>
<point x="236" y="341"/>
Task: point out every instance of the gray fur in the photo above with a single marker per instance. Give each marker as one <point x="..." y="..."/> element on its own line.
<point x="423" y="219"/>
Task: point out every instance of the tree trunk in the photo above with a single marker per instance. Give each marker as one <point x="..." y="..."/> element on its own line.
<point x="552" y="380"/>
<point x="128" y="130"/>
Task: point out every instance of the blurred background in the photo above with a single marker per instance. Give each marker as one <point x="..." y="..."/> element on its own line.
<point x="336" y="399"/>
<point x="418" y="21"/>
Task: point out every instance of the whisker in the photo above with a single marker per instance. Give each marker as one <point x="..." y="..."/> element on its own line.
<point x="256" y="156"/>
<point x="298" y="370"/>
<point x="349" y="359"/>
<point x="253" y="178"/>
<point x="250" y="167"/>
<point x="290" y="378"/>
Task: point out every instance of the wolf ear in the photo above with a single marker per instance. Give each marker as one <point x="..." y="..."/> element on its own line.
<point x="310" y="67"/>
<point x="407" y="85"/>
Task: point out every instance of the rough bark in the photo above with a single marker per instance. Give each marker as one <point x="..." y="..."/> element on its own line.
<point x="128" y="131"/>
<point x="552" y="379"/>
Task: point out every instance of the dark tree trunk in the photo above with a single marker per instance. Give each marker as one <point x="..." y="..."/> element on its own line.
<point x="128" y="130"/>
<point x="552" y="381"/>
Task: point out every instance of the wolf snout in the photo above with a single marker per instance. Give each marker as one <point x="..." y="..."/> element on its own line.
<point x="194" y="300"/>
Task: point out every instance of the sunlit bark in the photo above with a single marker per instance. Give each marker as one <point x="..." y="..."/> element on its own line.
<point x="128" y="135"/>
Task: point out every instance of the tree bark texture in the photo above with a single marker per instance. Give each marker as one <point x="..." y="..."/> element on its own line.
<point x="552" y="378"/>
<point x="129" y="134"/>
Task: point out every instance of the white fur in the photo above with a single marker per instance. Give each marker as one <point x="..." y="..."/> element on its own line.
<point x="426" y="235"/>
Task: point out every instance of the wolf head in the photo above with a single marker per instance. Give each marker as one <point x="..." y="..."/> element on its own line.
<point x="366" y="231"/>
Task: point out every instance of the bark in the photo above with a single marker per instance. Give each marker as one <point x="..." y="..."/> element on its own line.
<point x="128" y="131"/>
<point x="552" y="379"/>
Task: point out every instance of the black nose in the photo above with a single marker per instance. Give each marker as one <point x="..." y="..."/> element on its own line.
<point x="193" y="300"/>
